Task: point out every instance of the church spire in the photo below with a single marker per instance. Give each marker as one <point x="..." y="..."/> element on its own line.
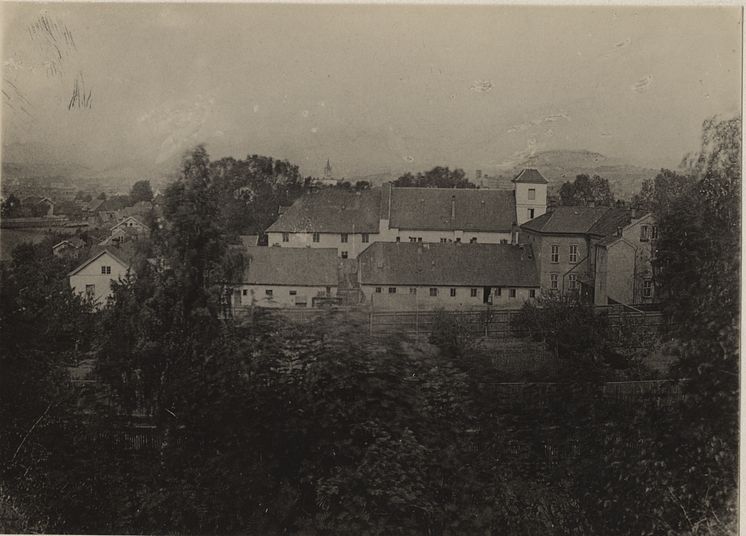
<point x="328" y="170"/>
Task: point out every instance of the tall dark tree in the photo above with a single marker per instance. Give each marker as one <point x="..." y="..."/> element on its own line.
<point x="587" y="191"/>
<point x="438" y="177"/>
<point x="658" y="194"/>
<point x="141" y="191"/>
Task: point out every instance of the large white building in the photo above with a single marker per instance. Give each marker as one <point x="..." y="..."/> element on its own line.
<point x="350" y="221"/>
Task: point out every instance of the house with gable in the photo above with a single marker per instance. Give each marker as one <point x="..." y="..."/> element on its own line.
<point x="69" y="247"/>
<point x="624" y="264"/>
<point x="579" y="250"/>
<point x="93" y="278"/>
<point x="412" y="276"/>
<point x="352" y="220"/>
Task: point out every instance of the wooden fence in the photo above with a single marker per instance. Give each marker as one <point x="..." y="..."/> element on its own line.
<point x="488" y="323"/>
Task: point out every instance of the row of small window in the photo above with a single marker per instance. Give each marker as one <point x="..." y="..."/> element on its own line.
<point x="270" y="292"/>
<point x="573" y="253"/>
<point x="343" y="237"/>
<point x="474" y="292"/>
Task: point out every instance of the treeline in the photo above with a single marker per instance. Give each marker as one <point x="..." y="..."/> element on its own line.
<point x="272" y="427"/>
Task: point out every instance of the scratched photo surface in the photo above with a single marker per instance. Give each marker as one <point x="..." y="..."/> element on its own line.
<point x="369" y="269"/>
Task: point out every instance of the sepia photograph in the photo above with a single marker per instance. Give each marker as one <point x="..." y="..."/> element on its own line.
<point x="370" y="269"/>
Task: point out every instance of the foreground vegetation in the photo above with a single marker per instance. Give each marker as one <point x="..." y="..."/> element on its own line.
<point x="270" y="427"/>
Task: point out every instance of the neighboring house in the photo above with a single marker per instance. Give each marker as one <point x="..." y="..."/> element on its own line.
<point x="94" y="276"/>
<point x="624" y="271"/>
<point x="46" y="204"/>
<point x="351" y="221"/>
<point x="130" y="228"/>
<point x="565" y="242"/>
<point x="450" y="276"/>
<point x="287" y="277"/>
<point x="134" y="223"/>
<point x="68" y="248"/>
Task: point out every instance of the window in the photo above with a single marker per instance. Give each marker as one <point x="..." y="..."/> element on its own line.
<point x="268" y="292"/>
<point x="398" y="238"/>
<point x="647" y="288"/>
<point x="511" y="292"/>
<point x="433" y="292"/>
<point x="292" y="292"/>
<point x="554" y="281"/>
<point x="392" y="290"/>
<point x="530" y="214"/>
<point x="573" y="279"/>
<point x="498" y="291"/>
<point x="90" y="290"/>
<point x="503" y="240"/>
<point x="413" y="290"/>
<point x="316" y="237"/>
<point x="458" y="240"/>
<point x="555" y="253"/>
<point x="245" y="292"/>
<point x="106" y="270"/>
<point x="344" y="237"/>
<point x="644" y="233"/>
<point x="532" y="293"/>
<point x="344" y="254"/>
<point x="574" y="253"/>
<point x="654" y="232"/>
<point x="453" y="292"/>
<point x="328" y="290"/>
<point x="366" y="238"/>
<point x="473" y="240"/>
<point x="419" y="239"/>
<point x="473" y="293"/>
<point x="413" y="239"/>
<point x="378" y="290"/>
<point x="443" y="240"/>
<point x="531" y="194"/>
<point x="286" y="237"/>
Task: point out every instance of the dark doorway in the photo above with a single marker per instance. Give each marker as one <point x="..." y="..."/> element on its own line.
<point x="486" y="295"/>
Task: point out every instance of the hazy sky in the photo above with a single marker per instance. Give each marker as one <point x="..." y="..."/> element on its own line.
<point x="372" y="88"/>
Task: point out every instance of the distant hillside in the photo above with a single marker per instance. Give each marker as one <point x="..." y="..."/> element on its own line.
<point x="561" y="166"/>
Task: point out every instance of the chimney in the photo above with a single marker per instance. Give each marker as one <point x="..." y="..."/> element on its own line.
<point x="453" y="208"/>
<point x="619" y="231"/>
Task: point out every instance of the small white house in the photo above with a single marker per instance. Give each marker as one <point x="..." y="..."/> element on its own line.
<point x="93" y="278"/>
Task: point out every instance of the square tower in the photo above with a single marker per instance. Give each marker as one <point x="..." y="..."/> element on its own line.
<point x="530" y="188"/>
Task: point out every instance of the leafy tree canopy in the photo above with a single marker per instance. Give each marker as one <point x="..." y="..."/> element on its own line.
<point x="438" y="177"/>
<point x="587" y="191"/>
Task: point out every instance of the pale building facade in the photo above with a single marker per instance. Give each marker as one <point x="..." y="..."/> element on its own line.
<point x="93" y="278"/>
<point x="624" y="264"/>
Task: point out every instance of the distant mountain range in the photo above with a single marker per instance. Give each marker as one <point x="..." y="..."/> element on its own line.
<point x="561" y="166"/>
<point x="36" y="160"/>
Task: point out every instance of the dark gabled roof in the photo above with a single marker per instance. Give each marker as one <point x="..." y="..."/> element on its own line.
<point x="74" y="242"/>
<point x="530" y="176"/>
<point x="331" y="211"/>
<point x="598" y="221"/>
<point x="450" y="264"/>
<point x="431" y="209"/>
<point x="123" y="253"/>
<point x="291" y="266"/>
